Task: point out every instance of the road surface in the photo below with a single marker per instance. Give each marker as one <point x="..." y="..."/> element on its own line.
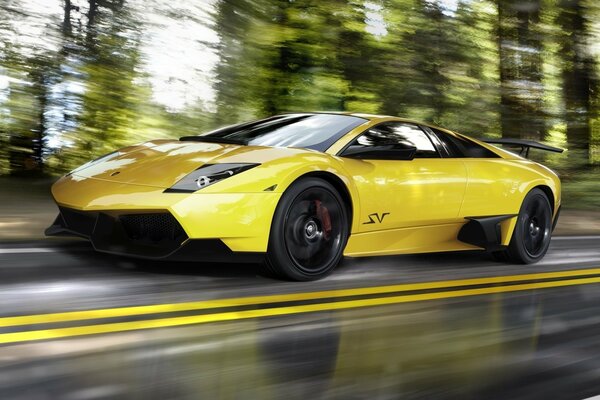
<point x="75" y="324"/>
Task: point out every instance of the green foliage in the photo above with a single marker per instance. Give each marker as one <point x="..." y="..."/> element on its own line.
<point x="75" y="82"/>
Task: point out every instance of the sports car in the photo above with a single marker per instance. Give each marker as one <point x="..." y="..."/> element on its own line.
<point x="297" y="192"/>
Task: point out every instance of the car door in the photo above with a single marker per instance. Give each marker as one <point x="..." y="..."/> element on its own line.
<point x="400" y="193"/>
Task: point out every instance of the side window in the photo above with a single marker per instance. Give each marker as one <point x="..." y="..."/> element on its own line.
<point x="397" y="134"/>
<point x="458" y="147"/>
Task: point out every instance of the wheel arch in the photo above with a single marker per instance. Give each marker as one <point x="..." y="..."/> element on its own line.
<point x="508" y="226"/>
<point x="339" y="185"/>
<point x="273" y="262"/>
<point x="549" y="193"/>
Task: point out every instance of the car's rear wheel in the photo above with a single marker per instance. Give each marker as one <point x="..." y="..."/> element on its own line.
<point x="309" y="231"/>
<point x="531" y="237"/>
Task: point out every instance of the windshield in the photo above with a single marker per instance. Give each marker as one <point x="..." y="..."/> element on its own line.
<point x="311" y="131"/>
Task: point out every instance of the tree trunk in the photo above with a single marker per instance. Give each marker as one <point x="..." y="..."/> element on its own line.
<point x="277" y="96"/>
<point x="92" y="12"/>
<point x="66" y="26"/>
<point x="40" y="139"/>
<point x="521" y="88"/>
<point x="91" y="19"/>
<point x="577" y="71"/>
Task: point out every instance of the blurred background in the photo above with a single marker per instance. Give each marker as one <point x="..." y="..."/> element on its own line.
<point x="80" y="78"/>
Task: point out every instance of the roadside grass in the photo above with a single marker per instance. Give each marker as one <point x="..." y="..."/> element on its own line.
<point x="582" y="191"/>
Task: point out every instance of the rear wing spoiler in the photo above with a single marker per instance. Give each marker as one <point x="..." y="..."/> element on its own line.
<point x="524" y="144"/>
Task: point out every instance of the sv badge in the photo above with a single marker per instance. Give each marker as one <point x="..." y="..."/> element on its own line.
<point x="376" y="218"/>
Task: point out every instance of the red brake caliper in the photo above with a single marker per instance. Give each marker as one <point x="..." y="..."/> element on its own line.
<point x="323" y="215"/>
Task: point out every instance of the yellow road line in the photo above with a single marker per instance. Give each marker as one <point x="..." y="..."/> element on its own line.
<point x="269" y="312"/>
<point x="257" y="300"/>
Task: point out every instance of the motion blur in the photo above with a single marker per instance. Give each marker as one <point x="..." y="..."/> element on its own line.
<point x="81" y="78"/>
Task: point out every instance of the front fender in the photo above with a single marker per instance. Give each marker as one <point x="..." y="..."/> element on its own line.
<point x="323" y="164"/>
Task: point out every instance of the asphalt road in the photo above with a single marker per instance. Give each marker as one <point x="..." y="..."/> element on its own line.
<point x="453" y="325"/>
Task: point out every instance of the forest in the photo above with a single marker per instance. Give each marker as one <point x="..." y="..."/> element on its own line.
<point x="80" y="78"/>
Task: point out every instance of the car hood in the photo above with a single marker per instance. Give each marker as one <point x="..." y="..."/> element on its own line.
<point x="163" y="163"/>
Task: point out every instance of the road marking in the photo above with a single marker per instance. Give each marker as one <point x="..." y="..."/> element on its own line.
<point x="575" y="237"/>
<point x="58" y="333"/>
<point x="279" y="298"/>
<point x="25" y="250"/>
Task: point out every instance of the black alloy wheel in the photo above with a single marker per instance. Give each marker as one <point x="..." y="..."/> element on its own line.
<point x="309" y="231"/>
<point x="532" y="234"/>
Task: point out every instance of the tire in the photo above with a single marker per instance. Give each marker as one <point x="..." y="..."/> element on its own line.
<point x="309" y="231"/>
<point x="531" y="237"/>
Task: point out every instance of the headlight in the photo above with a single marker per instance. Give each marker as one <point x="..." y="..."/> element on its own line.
<point x="207" y="175"/>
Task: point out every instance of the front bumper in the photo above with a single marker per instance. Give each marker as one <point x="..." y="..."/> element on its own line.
<point x="218" y="222"/>
<point x="149" y="236"/>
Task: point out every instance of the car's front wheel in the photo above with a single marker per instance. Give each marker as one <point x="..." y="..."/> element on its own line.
<point x="531" y="237"/>
<point x="309" y="231"/>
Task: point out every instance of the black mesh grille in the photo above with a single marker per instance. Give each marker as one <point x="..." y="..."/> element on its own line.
<point x="152" y="227"/>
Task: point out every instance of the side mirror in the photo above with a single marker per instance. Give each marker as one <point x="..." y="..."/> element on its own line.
<point x="387" y="152"/>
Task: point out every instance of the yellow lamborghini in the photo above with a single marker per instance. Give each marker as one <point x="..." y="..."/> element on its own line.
<point x="299" y="191"/>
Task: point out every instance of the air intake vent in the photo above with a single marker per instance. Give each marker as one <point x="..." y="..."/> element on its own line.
<point x="79" y="221"/>
<point x="152" y="228"/>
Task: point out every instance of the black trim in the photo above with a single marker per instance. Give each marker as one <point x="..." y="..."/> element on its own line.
<point x="524" y="144"/>
<point x="82" y="223"/>
<point x="59" y="228"/>
<point x="461" y="146"/>
<point x="209" y="139"/>
<point x="110" y="234"/>
<point x="195" y="250"/>
<point x="171" y="190"/>
<point x="484" y="231"/>
<point x="437" y="143"/>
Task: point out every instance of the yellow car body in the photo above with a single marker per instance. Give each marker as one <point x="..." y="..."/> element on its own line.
<point x="395" y="206"/>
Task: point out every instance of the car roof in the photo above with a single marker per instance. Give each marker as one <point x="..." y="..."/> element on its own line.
<point x="374" y="117"/>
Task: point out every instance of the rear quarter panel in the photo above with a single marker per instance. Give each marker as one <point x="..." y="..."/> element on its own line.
<point x="498" y="186"/>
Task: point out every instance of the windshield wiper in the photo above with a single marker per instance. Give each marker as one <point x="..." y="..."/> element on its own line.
<point x="212" y="139"/>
